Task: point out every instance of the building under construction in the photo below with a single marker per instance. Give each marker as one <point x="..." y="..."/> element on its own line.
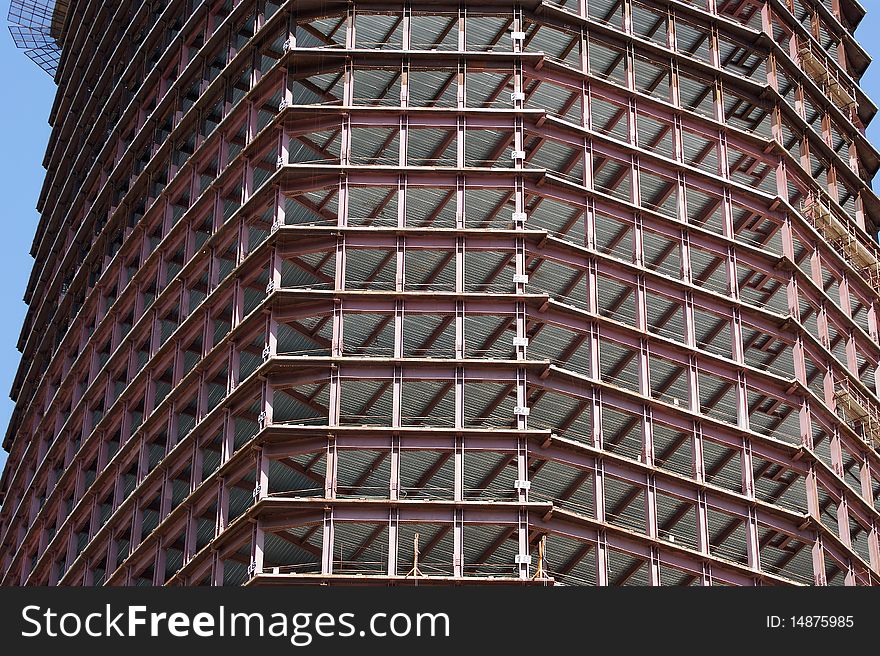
<point x="537" y="292"/>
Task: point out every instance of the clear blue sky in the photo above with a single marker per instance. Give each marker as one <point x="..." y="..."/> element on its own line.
<point x="24" y="113"/>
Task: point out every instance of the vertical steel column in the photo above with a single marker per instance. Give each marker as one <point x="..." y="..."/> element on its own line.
<point x="393" y="530"/>
<point x="137" y="519"/>
<point x="698" y="467"/>
<point x="336" y="351"/>
<point x="460" y="310"/>
<point x="399" y="308"/>
<point x="701" y="508"/>
<point x="815" y="512"/>
<point x="400" y="286"/>
<point x="261" y="472"/>
<point x="829" y="381"/>
<point x="592" y="292"/>
<point x="327" y="541"/>
<point x="189" y="540"/>
<point x="793" y="298"/>
<point x="753" y="547"/>
<point x="458" y="513"/>
<point x="643" y="358"/>
<point x="846" y="306"/>
<point x="222" y="503"/>
<point x="112" y="556"/>
<point x="159" y="563"/>
<point x="843" y="530"/>
<point x="261" y="491"/>
<point x="459" y="386"/>
<point x="873" y="530"/>
<point x="595" y="373"/>
<point x="330" y="478"/>
<point x="217" y="573"/>
<point x="258" y="548"/>
<point x="873" y="324"/>
<point x="521" y="411"/>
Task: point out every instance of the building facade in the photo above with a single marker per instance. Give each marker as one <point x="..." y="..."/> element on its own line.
<point x="560" y="292"/>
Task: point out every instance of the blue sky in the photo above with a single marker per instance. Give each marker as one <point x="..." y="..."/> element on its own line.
<point x="24" y="113"/>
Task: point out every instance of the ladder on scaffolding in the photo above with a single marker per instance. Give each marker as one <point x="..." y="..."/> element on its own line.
<point x="859" y="411"/>
<point x="863" y="257"/>
<point x="815" y="64"/>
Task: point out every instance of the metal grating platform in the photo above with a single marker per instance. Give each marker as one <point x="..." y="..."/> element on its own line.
<point x="37" y="28"/>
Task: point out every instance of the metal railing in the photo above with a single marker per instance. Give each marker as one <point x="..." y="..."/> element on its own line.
<point x="854" y="247"/>
<point x="815" y="64"/>
<point x="37" y="28"/>
<point x="860" y="412"/>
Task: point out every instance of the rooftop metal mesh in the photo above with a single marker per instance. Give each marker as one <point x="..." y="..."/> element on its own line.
<point x="36" y="27"/>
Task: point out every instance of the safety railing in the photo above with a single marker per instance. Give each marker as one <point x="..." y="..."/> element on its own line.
<point x="860" y="412"/>
<point x="814" y="63"/>
<point x="299" y="493"/>
<point x="844" y="237"/>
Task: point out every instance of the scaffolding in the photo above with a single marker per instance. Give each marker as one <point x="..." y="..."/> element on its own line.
<point x="815" y="64"/>
<point x="855" y="407"/>
<point x="855" y="248"/>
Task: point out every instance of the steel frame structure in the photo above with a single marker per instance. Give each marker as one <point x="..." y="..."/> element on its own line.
<point x="37" y="27"/>
<point x="313" y="278"/>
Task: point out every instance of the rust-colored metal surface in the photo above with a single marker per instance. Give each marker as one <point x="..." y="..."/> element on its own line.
<point x="538" y="293"/>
